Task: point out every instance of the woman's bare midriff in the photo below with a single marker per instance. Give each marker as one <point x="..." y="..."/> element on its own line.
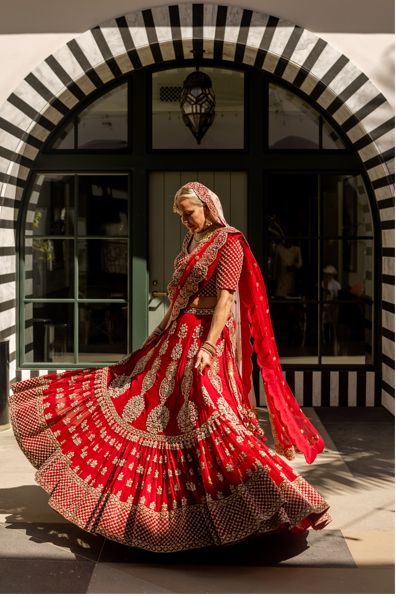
<point x="204" y="302"/>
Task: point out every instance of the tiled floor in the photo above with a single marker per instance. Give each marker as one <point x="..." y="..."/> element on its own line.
<point x="42" y="553"/>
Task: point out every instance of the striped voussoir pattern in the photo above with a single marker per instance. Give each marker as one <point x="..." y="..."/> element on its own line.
<point x="235" y="34"/>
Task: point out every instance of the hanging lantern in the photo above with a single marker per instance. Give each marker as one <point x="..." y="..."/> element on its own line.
<point x="198" y="102"/>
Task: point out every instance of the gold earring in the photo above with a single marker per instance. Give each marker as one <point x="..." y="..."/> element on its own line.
<point x="208" y="222"/>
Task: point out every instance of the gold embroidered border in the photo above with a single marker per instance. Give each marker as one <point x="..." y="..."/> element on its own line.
<point x="194" y="535"/>
<point x="198" y="311"/>
<point x="40" y="423"/>
<point x="60" y="464"/>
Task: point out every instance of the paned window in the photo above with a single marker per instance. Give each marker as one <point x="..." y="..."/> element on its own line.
<point x="102" y="125"/>
<point x="75" y="269"/>
<point x="294" y="124"/>
<point x="320" y="268"/>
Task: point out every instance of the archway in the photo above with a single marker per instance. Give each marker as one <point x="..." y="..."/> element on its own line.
<point x="139" y="39"/>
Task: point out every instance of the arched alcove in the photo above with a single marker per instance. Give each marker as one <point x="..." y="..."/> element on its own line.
<point x="47" y="95"/>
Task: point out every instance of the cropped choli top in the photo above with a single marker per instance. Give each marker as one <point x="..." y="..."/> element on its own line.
<point x="227" y="272"/>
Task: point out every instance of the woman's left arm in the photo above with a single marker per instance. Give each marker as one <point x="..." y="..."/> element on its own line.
<point x="219" y="319"/>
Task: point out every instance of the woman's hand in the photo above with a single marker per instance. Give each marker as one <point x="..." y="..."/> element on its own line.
<point x="149" y="339"/>
<point x="203" y="361"/>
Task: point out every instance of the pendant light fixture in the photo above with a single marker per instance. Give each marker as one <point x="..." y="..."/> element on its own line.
<point x="197" y="101"/>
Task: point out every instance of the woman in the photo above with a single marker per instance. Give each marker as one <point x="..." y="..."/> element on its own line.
<point x="163" y="451"/>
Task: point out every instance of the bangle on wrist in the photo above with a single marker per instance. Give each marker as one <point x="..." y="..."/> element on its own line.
<point x="210" y="348"/>
<point x="211" y="352"/>
<point x="213" y="346"/>
<point x="207" y="352"/>
<point x="158" y="331"/>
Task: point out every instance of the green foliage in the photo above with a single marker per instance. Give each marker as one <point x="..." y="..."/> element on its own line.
<point x="40" y="245"/>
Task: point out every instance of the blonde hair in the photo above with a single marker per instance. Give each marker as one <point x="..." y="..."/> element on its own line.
<point x="186" y="192"/>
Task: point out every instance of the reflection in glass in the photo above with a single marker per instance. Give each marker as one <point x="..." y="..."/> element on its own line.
<point x="296" y="331"/>
<point x="49" y="332"/>
<point x="65" y="139"/>
<point x="347" y="269"/>
<point x="346" y="207"/>
<point x="51" y="206"/>
<point x="292" y="205"/>
<point x="102" y="332"/>
<point x="104" y="124"/>
<point x="103" y="205"/>
<point x="169" y="130"/>
<point x="292" y="268"/>
<point x="330" y="139"/>
<point x="49" y="268"/>
<point x="344" y="333"/>
<point x="293" y="124"/>
<point x="103" y="269"/>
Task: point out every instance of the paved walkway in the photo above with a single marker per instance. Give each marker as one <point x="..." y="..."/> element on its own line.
<point x="42" y="553"/>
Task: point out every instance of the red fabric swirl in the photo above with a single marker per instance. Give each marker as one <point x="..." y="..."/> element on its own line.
<point x="291" y="429"/>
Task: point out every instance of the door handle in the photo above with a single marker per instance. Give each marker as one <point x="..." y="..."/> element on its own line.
<point x="160" y="294"/>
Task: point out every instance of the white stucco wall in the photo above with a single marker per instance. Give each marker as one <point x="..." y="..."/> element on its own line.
<point x="363" y="30"/>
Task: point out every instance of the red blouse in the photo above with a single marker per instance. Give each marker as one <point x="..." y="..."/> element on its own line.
<point x="228" y="270"/>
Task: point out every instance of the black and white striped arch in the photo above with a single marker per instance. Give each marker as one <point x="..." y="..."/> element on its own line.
<point x="133" y="41"/>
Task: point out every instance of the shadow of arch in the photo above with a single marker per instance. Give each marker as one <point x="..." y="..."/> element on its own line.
<point x="27" y="503"/>
<point x="27" y="511"/>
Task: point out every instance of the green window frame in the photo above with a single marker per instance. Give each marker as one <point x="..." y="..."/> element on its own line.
<point x="318" y="241"/>
<point x="76" y="301"/>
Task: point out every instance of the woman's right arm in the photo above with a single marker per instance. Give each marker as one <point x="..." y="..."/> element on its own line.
<point x="162" y="325"/>
<point x="165" y="320"/>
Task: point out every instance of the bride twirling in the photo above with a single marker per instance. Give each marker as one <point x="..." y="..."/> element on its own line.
<point x="163" y="450"/>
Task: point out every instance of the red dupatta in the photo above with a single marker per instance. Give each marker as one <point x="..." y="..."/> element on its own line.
<point x="291" y="429"/>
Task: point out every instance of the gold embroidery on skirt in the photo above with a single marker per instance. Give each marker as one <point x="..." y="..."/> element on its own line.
<point x="215" y="368"/>
<point x="206" y="397"/>
<point x="121" y="383"/>
<point x="188" y="522"/>
<point x="135" y="406"/>
<point x="141" y="364"/>
<point x="234" y="387"/>
<point x="158" y="417"/>
<point x="188" y="414"/>
<point x="222" y="405"/>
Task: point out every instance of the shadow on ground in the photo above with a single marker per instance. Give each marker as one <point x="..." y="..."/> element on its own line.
<point x="316" y="548"/>
<point x="365" y="440"/>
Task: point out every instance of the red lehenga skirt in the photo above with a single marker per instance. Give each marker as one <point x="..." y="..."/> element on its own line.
<point x="150" y="453"/>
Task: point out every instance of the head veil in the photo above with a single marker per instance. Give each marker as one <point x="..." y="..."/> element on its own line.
<point x="210" y="199"/>
<point x="291" y="429"/>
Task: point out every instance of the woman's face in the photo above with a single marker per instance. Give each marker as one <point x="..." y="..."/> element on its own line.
<point x="193" y="216"/>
